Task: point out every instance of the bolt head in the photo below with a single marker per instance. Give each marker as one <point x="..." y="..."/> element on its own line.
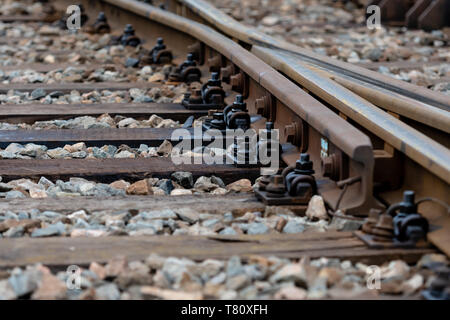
<point x="304" y="164"/>
<point x="101" y="16"/>
<point x="409" y="196"/>
<point x="239" y="99"/>
<point x="215" y="76"/>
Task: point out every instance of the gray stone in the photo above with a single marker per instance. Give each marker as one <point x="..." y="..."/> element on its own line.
<point x="171" y="224"/>
<point x="131" y="63"/>
<point x="293" y="227"/>
<point x="58" y="153"/>
<point x="218" y="181"/>
<point x="99" y="153"/>
<point x="243" y="226"/>
<point x="124" y="154"/>
<point x="228" y="217"/>
<point x="166" y="185"/>
<point x="56" y="94"/>
<point x="67" y="186"/>
<point x="234" y="267"/>
<point x="210" y="223"/>
<point x="109" y="149"/>
<point x="6" y="291"/>
<point x="256" y="272"/>
<point x="81" y="224"/>
<point x="79" y="155"/>
<point x="14" y="148"/>
<point x="143" y="99"/>
<point x="50" y="215"/>
<point x="14" y="232"/>
<point x="228" y="231"/>
<point x="43" y="181"/>
<point x="291" y="272"/>
<point x="23" y="215"/>
<point x="258" y="228"/>
<point x="33" y="150"/>
<point x="346" y="224"/>
<point x="373" y="54"/>
<point x="318" y="289"/>
<point x="108" y="292"/>
<point x="163" y="214"/>
<point x="155" y="225"/>
<point x="184" y="179"/>
<point x="205" y="184"/>
<point x="142" y="148"/>
<point x="175" y="268"/>
<point x="155" y="261"/>
<point x="188" y="215"/>
<point x="56" y="229"/>
<point x="14" y="195"/>
<point x="7" y="155"/>
<point x="24" y="282"/>
<point x="238" y="282"/>
<point x="37" y="94"/>
<point x="219" y="279"/>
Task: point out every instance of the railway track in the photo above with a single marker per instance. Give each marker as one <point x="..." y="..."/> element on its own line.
<point x="87" y="156"/>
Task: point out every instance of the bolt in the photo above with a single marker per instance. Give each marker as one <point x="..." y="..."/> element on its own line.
<point x="214" y="81"/>
<point x="276" y="187"/>
<point x="217" y="121"/>
<point x="409" y="197"/>
<point x="187" y="95"/>
<point x="239" y="99"/>
<point x="304" y="165"/>
<point x="215" y="76"/>
<point x="101" y="17"/>
<point x="129" y="30"/>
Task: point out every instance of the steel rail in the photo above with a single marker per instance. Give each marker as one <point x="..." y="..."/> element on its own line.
<point x="251" y="36"/>
<point x="391" y="101"/>
<point x="425" y="151"/>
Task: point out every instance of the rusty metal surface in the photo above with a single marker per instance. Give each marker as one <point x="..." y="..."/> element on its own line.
<point x="415" y="145"/>
<point x="251" y="36"/>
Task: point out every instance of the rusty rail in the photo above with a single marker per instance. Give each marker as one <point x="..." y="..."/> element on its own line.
<point x="200" y="9"/>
